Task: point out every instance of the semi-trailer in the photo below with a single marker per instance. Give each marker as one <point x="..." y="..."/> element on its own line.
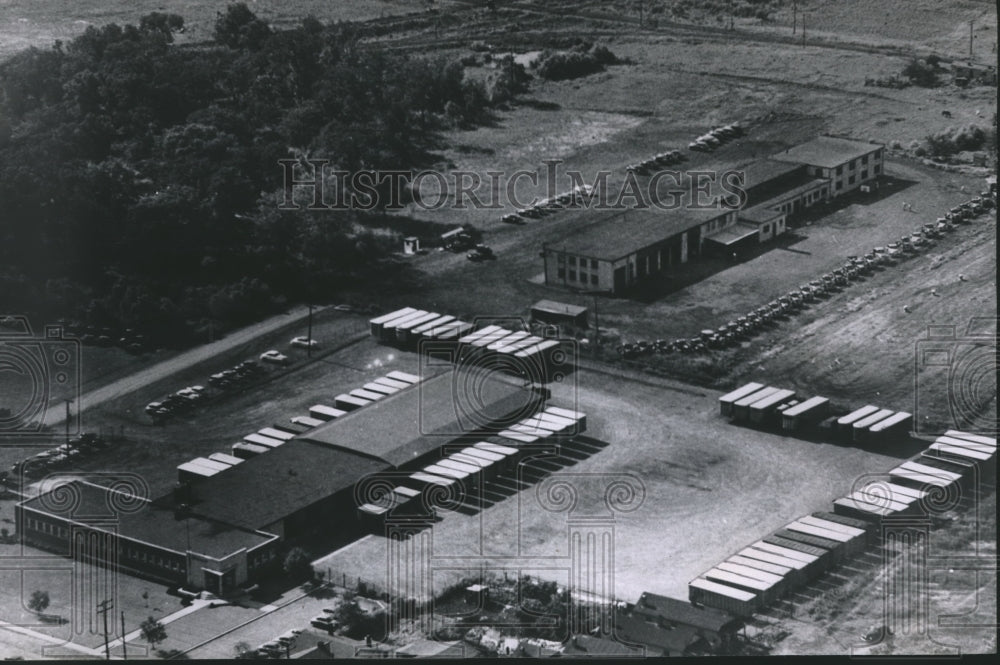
<point x="349" y="402"/>
<point x="893" y="428"/>
<point x="726" y="401"/>
<point x="805" y="413"/>
<point x="324" y="413"/>
<point x="720" y="596"/>
<point x="376" y="324"/>
<point x="859" y="429"/>
<point x="763" y="410"/>
<point x="741" y="407"/>
<point x="245" y="450"/>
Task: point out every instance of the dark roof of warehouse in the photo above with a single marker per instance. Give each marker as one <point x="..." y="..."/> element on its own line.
<point x="269" y="487"/>
<point x="763" y="171"/>
<point x="826" y="151"/>
<point x="616" y="235"/>
<point x="409" y="424"/>
<point x="145" y="521"/>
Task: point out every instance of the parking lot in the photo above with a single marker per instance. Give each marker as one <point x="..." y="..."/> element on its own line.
<point x="735" y="484"/>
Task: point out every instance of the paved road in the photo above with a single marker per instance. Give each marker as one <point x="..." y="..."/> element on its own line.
<point x="180" y="362"/>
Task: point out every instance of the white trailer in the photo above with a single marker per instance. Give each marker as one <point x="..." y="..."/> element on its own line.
<point x="276" y="434"/>
<point x="975" y="438"/>
<point x="396" y="375"/>
<point x="859" y="430"/>
<point x="726" y="401"/>
<point x="377" y="323"/>
<point x="741" y="407"/>
<point x="578" y="416"/>
<point x="846" y="423"/>
<point x="805" y="413"/>
<point x="262" y="440"/>
<point x="893" y="427"/>
<point x="388" y="333"/>
<point x="392" y="383"/>
<point x="762" y="410"/>
<point x="368" y="395"/>
<point x="246" y="450"/>
<point x="380" y="388"/>
<point x="404" y="330"/>
<point x="323" y="413"/>
<point x="223" y="458"/>
<point x="350" y="402"/>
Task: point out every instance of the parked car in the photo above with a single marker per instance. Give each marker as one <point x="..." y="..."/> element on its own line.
<point x="274" y="356"/>
<point x="304" y="342"/>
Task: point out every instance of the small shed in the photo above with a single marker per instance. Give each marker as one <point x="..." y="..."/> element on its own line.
<point x="559" y="313"/>
<point x="411" y="245"/>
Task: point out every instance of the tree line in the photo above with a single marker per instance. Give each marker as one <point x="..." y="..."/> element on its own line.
<point x="139" y="179"/>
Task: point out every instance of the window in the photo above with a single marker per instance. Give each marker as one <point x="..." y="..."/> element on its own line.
<point x="876" y="169"/>
<point x="560" y="258"/>
<point x="572" y="260"/>
<point x="593" y="264"/>
<point x="593" y="279"/>
<point x="864" y="174"/>
<point x="767" y="228"/>
<point x="840" y="169"/>
<point x="572" y="275"/>
<point x="850" y="181"/>
<point x="561" y="273"/>
<point x="864" y="160"/>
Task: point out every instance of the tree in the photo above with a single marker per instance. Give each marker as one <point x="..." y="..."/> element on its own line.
<point x="39" y="601"/>
<point x="239" y="28"/>
<point x="297" y="565"/>
<point x="153" y="631"/>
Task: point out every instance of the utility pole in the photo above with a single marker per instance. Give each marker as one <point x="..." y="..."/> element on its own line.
<point x="124" y="655"/>
<point x="803" y="28"/>
<point x="67" y="420"/>
<point x="971" y="21"/>
<point x="103" y="608"/>
<point x="309" y="342"/>
<point x="795" y="15"/>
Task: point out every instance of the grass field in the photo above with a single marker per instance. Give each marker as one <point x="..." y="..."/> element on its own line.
<point x="26" y="23"/>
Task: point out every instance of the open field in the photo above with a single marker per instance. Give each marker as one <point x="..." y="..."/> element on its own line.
<point x="25" y="23"/>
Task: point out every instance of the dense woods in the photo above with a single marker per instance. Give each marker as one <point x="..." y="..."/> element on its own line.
<point x="139" y="179"/>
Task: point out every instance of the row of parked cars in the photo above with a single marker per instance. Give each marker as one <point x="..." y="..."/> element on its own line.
<point x="798" y="299"/>
<point x="716" y="138"/>
<point x="188" y="398"/>
<point x="60" y="457"/>
<point x="547" y="206"/>
<point x="667" y="158"/>
<point x="132" y="341"/>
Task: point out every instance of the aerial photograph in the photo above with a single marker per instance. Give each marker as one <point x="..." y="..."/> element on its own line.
<point x="460" y="329"/>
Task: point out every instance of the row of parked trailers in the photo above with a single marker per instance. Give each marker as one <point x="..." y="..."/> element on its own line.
<point x="758" y="575"/>
<point x="268" y="438"/>
<point x="764" y="405"/>
<point x="954" y="459"/>
<point x="464" y="468"/>
<point x="791" y="557"/>
<point x="518" y="351"/>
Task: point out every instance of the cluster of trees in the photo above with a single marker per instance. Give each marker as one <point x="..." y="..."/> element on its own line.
<point x="139" y="179"/>
<point x="958" y="139"/>
<point x="579" y="61"/>
<point x="922" y="72"/>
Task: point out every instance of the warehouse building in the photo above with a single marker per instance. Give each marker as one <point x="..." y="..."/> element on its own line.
<point x="846" y="164"/>
<point x="223" y="530"/>
<point x="622" y="250"/>
<point x="143" y="538"/>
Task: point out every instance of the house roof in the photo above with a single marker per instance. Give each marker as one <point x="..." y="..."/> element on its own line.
<point x="589" y="645"/>
<point x="269" y="487"/>
<point x="145" y="521"/>
<point x="616" y="235"/>
<point x="827" y="151"/>
<point x="681" y="611"/>
<point x="404" y="427"/>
